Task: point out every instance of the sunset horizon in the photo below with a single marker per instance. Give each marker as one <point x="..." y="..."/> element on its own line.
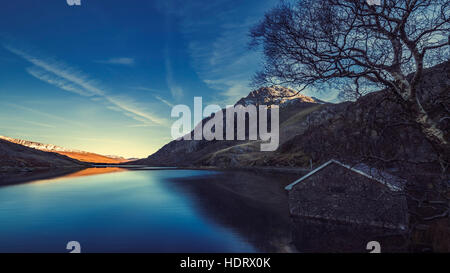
<point x="94" y="84"/>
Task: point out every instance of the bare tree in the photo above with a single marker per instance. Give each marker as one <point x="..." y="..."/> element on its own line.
<point x="358" y="48"/>
<point x="362" y="47"/>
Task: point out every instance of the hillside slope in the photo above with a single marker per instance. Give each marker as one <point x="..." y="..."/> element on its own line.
<point x="311" y="131"/>
<point x="16" y="157"/>
<point x="75" y="154"/>
<point x="374" y="126"/>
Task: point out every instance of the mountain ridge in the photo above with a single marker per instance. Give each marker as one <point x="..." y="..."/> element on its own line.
<point x="202" y="152"/>
<point x="84" y="156"/>
<point x="16" y="157"/>
<point x="275" y="94"/>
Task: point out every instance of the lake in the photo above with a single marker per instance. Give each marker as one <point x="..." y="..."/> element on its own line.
<point x="146" y="210"/>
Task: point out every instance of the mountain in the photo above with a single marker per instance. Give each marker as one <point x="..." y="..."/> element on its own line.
<point x="314" y="131"/>
<point x="75" y="154"/>
<point x="16" y="157"/>
<point x="293" y="107"/>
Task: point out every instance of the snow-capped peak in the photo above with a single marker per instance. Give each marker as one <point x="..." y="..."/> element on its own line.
<point x="273" y="95"/>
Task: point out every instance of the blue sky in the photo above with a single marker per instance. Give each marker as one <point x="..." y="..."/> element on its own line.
<point x="104" y="76"/>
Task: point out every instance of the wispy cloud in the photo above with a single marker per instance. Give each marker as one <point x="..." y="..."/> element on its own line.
<point x="50" y="78"/>
<point x="59" y="69"/>
<point x="153" y="90"/>
<point x="73" y="80"/>
<point x="175" y="89"/>
<point x="139" y="125"/>
<point x="164" y="101"/>
<point x="217" y="44"/>
<point x="225" y="64"/>
<point x="145" y="89"/>
<point x="41" y="124"/>
<point x="134" y="110"/>
<point x="44" y="114"/>
<point x="118" y="61"/>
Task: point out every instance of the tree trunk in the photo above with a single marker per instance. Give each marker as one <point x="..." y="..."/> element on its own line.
<point x="432" y="132"/>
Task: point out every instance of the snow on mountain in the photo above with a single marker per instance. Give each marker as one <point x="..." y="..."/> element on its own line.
<point x="274" y="95"/>
<point x="40" y="146"/>
<point x="75" y="154"/>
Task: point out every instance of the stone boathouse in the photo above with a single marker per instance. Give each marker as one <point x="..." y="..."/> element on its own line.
<point x="338" y="207"/>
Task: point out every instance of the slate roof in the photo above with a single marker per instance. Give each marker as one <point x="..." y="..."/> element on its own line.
<point x="392" y="182"/>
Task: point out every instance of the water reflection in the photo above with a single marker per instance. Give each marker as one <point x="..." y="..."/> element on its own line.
<point x="14" y="178"/>
<point x="252" y="205"/>
<point x="81" y="173"/>
<point x="146" y="211"/>
<point x="313" y="235"/>
<point x="162" y="210"/>
<point x="94" y="171"/>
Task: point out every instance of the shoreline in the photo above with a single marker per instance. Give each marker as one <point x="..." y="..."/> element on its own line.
<point x="25" y="175"/>
<point x="28" y="174"/>
<point x="269" y="169"/>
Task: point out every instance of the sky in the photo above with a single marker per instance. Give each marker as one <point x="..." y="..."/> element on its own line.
<point x="104" y="76"/>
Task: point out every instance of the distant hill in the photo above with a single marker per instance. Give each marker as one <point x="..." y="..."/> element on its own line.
<point x="16" y="157"/>
<point x="75" y="154"/>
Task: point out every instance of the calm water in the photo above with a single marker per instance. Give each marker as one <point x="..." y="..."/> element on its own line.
<point x="143" y="211"/>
